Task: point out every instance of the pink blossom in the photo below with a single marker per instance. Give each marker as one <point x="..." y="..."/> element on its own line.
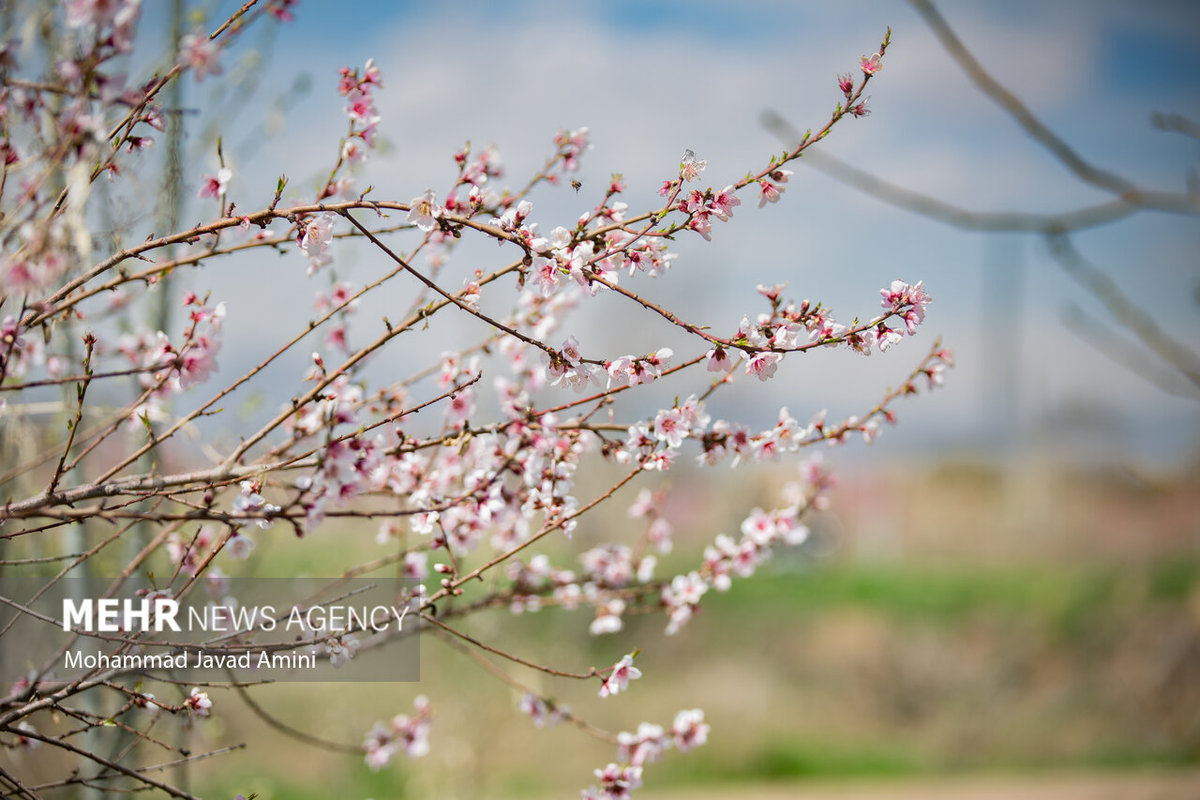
<point x="643" y="747"/>
<point x="869" y="430"/>
<point x="772" y="293"/>
<point x="198" y="703"/>
<point x="762" y="365"/>
<point x="135" y="144"/>
<point x="251" y="502"/>
<point x="514" y="216"/>
<point x="618" y="782"/>
<point x="885" y="337"/>
<point x="282" y="9"/>
<point x="543" y="714"/>
<point x="659" y="535"/>
<point x="415" y="566"/>
<point x="578" y="260"/>
<point x="723" y="204"/>
<point x="691" y="167"/>
<point x="198" y="52"/>
<point x="908" y="301"/>
<point x="682" y="598"/>
<point x="545" y="274"/>
<point x="759" y="527"/>
<point x="823" y="328"/>
<point x="786" y="336"/>
<point x="618" y="679"/>
<point x="609" y="565"/>
<point x="239" y="546"/>
<point x="659" y="461"/>
<point x="341" y="649"/>
<point x="424" y="211"/>
<point x="24" y="740"/>
<point x="608" y="617"/>
<point x="861" y="341"/>
<point x="146" y="702"/>
<point x="571" y="145"/>
<point x="694" y="415"/>
<point x="871" y="64"/>
<point x="371" y="73"/>
<point x="719" y="360"/>
<point x="768" y="193"/>
<point x="197" y="358"/>
<point x="353" y="152"/>
<point x="701" y="224"/>
<point x="689" y="729"/>
<point x="409" y="734"/>
<point x="669" y="427"/>
<point x="360" y="107"/>
<point x="658" y="360"/>
<point x="646" y="504"/>
<point x="315" y="235"/>
<point x="339" y="297"/>
<point x="96" y="14"/>
<point x="621" y="370"/>
<point x="461" y="407"/>
<point x="214" y="186"/>
<point x="936" y="374"/>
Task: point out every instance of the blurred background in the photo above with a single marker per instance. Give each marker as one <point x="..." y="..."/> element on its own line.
<point x="1008" y="582"/>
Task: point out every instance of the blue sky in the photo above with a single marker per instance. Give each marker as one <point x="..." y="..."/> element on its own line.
<point x="651" y="79"/>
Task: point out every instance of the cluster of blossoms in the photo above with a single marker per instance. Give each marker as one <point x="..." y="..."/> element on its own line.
<point x="542" y="713"/>
<point x="404" y="734"/>
<point x="470" y="195"/>
<point x="571" y="146"/>
<point x="314" y="234"/>
<point x="462" y="494"/>
<point x="340" y="649"/>
<point x="649" y="506"/>
<point x="700" y="205"/>
<point x="870" y="65"/>
<point x="44" y="257"/>
<point x="340" y="300"/>
<point x="765" y="341"/>
<point x="358" y="89"/>
<point x="314" y="237"/>
<point x="761" y="534"/>
<point x="166" y="369"/>
<point x="250" y="503"/>
<point x="348" y="464"/>
<point x="647" y="745"/>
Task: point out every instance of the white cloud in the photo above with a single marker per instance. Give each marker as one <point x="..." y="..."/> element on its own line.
<point x="452" y="75"/>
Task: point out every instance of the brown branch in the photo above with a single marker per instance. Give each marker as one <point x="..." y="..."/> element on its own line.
<point x="1092" y="332"/>
<point x="583" y="725"/>
<point x="1012" y="105"/>
<point x="99" y="759"/>
<point x="591" y="673"/>
<point x="1125" y="311"/>
<point x="288" y="730"/>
